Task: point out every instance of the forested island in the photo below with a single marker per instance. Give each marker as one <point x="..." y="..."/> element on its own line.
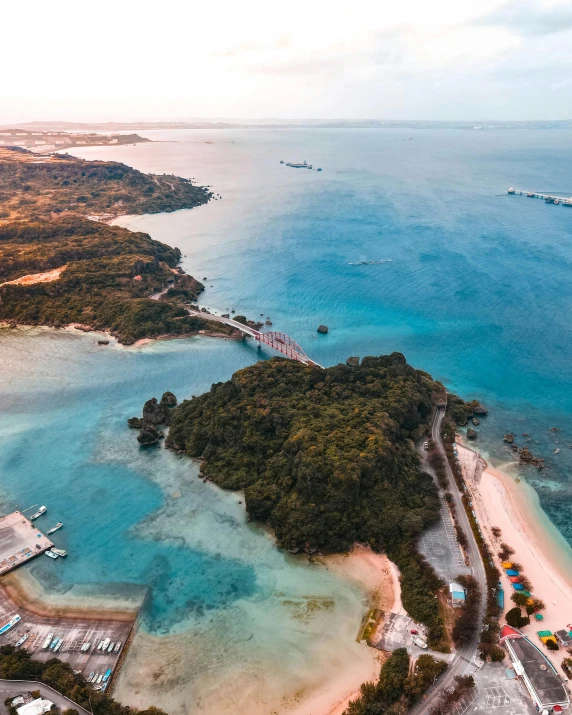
<point x="326" y="457"/>
<point x="58" y="267"/>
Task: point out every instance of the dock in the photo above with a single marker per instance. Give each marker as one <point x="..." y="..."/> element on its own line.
<point x="20" y="541"/>
<point x="564" y="200"/>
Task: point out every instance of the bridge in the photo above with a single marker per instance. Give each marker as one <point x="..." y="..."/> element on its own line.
<point x="280" y="342"/>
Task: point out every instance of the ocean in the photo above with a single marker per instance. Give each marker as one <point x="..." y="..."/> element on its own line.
<point x="473" y="286"/>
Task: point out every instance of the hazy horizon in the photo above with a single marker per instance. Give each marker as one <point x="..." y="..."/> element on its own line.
<point x="444" y="61"/>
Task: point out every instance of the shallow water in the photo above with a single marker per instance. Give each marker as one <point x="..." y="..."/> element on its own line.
<point x="477" y="293"/>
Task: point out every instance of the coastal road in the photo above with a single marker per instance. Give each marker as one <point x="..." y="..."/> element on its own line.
<point x="13" y="688"/>
<point x="461" y="663"/>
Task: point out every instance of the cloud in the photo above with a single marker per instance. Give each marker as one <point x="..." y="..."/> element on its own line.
<point x="532" y="20"/>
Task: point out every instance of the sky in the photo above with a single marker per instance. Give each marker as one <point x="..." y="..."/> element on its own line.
<point x="167" y="60"/>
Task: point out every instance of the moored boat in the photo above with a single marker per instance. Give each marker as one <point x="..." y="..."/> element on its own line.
<point x="22" y="640"/>
<point x="46" y="643"/>
<point x="51" y="554"/>
<point x="54" y="528"/>
<point x="59" y="552"/>
<point x="11" y="623"/>
<point x="41" y="510"/>
<point x="118" y="646"/>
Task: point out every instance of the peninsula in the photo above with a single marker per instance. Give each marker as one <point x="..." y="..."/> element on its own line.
<point x="46" y="141"/>
<point x="62" y="264"/>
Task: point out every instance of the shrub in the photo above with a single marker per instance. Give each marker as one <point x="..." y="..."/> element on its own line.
<point x="551" y="644"/>
<point x="515" y="618"/>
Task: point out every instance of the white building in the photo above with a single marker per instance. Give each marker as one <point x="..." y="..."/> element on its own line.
<point x="36" y="707"/>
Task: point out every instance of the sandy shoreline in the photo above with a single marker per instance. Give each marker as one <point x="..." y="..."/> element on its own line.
<point x="513" y="506"/>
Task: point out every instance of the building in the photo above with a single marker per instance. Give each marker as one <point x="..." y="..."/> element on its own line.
<point x="458" y="594"/>
<point x="36" y="707"/>
<point x="535" y="671"/>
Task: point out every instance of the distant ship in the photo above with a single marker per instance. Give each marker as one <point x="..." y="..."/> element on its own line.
<point x="55" y="528"/>
<point x="302" y="165"/>
<point x="12" y="622"/>
<point x="41" y="510"/>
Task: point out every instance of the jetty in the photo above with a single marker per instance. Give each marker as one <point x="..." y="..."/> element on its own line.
<point x="564" y="200"/>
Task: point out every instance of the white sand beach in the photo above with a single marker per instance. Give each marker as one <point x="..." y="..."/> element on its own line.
<point x="513" y="506"/>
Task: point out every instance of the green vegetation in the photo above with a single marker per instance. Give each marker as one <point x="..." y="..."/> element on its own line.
<point x="515" y="618"/>
<point x="18" y="665"/>
<point x="102" y="276"/>
<point x="98" y="286"/>
<point x="467" y="621"/>
<point x="325" y="457"/>
<point x="397" y="689"/>
<point x="464" y="688"/>
<point x="33" y="187"/>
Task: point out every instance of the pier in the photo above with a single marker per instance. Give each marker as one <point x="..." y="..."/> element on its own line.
<point x="564" y="200"/>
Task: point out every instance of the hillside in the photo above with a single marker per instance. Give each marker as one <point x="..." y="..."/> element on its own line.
<point x="57" y="267"/>
<point x="33" y="186"/>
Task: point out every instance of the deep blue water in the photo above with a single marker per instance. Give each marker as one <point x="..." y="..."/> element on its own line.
<point x="478" y="293"/>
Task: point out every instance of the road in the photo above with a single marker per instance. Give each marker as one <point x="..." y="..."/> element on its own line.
<point x="462" y="660"/>
<point x="13" y="688"/>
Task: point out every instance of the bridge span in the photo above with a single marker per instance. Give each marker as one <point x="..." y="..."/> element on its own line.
<point x="277" y="341"/>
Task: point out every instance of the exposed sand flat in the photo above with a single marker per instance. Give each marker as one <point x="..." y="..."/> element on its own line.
<point x="500" y="500"/>
<point x="31" y="278"/>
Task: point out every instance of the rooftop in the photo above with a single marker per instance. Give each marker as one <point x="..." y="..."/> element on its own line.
<point x="545" y="682"/>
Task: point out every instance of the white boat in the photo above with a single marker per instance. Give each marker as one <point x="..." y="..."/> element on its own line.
<point x="59" y="552"/>
<point x="90" y="676"/>
<point x="85" y="647"/>
<point x="41" y="510"/>
<point x="46" y="643"/>
<point x="12" y="622"/>
<point x="58" y="644"/>
<point x="99" y="678"/>
<point x="51" y="554"/>
<point x="55" y="528"/>
<point x="100" y="645"/>
<point x="111" y="646"/>
<point x="94" y="678"/>
<point x="105" y="644"/>
<point x="118" y="646"/>
<point x="22" y="640"/>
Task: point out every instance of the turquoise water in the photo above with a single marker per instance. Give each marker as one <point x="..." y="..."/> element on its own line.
<point x="479" y="290"/>
<point x="476" y="290"/>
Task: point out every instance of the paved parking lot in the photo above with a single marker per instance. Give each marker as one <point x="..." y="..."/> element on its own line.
<point x="440" y="547"/>
<point x="496" y="693"/>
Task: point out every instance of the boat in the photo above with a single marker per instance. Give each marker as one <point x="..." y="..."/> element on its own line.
<point x="118" y="646"/>
<point x="299" y="165"/>
<point x="22" y="640"/>
<point x="48" y="640"/>
<point x="59" y="552"/>
<point x="55" y="528"/>
<point x="105" y="644"/>
<point x="511" y="190"/>
<point x="107" y="674"/>
<point x="100" y="644"/>
<point x="111" y="646"/>
<point x="90" y="676"/>
<point x="51" y="554"/>
<point x="85" y="647"/>
<point x="54" y="643"/>
<point x="41" y="510"/>
<point x="318" y="169"/>
<point x="12" y="622"/>
<point x="99" y="679"/>
<point x="58" y="644"/>
<point x="94" y="677"/>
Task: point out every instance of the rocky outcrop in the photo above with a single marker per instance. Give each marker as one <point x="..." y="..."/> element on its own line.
<point x="323" y="329"/>
<point x="154" y="414"/>
<point x="476" y="421"/>
<point x="527" y="457"/>
<point x="471" y="433"/>
<point x="479" y="409"/>
<point x="149" y="435"/>
<point x="508" y="438"/>
<point x="352" y="361"/>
